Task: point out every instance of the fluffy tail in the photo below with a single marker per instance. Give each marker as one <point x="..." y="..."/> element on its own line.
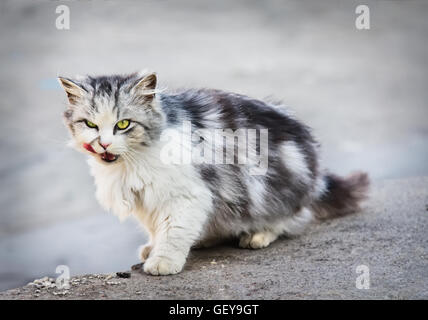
<point x="342" y="195"/>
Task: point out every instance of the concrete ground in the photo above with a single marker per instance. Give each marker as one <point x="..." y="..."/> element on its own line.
<point x="389" y="237"/>
<point x="363" y="92"/>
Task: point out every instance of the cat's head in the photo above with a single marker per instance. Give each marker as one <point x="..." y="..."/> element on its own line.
<point x="112" y="117"/>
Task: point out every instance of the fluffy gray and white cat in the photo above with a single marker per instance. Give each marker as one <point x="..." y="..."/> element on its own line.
<point x="121" y="121"/>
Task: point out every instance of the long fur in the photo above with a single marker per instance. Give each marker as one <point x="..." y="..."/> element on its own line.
<point x="342" y="195"/>
<point x="198" y="204"/>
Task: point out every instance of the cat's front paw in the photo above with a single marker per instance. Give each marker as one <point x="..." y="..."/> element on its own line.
<point x="162" y="266"/>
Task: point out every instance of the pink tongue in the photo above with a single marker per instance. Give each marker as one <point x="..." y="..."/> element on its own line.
<point x="88" y="147"/>
<point x="108" y="156"/>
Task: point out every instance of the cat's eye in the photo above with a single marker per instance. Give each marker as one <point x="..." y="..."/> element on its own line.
<point x="123" y="124"/>
<point x="91" y="124"/>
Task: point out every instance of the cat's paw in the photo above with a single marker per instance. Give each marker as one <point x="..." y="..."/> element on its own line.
<point x="258" y="240"/>
<point x="162" y="266"/>
<point x="261" y="240"/>
<point x="144" y="252"/>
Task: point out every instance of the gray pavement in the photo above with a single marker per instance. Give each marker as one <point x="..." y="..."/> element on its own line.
<point x="363" y="92"/>
<point x="389" y="237"/>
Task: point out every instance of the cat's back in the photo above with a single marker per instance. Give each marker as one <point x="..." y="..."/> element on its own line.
<point x="213" y="108"/>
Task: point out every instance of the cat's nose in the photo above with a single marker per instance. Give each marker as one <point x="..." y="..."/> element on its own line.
<point x="104" y="145"/>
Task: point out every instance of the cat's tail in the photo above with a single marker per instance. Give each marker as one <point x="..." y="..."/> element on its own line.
<point x="341" y="195"/>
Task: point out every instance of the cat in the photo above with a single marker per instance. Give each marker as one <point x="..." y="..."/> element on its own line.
<point x="120" y="121"/>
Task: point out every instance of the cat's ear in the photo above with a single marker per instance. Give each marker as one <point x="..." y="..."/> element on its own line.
<point x="146" y="86"/>
<point x="73" y="90"/>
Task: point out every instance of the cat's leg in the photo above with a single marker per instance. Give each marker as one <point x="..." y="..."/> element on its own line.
<point x="293" y="225"/>
<point x="178" y="230"/>
<point x="244" y="240"/>
<point x="296" y="224"/>
<point x="257" y="240"/>
<point x="144" y="251"/>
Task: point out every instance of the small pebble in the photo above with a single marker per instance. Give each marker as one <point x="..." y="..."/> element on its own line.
<point x="123" y="274"/>
<point x="60" y="293"/>
<point x="112" y="275"/>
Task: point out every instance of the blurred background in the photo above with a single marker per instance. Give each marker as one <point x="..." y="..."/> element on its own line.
<point x="364" y="92"/>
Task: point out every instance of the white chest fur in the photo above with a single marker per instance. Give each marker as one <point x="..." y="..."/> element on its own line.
<point x="144" y="188"/>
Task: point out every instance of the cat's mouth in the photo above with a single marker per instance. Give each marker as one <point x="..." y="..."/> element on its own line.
<point x="108" y="157"/>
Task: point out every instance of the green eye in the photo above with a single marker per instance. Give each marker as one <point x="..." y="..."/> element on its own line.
<point x="91" y="124"/>
<point x="122" y="124"/>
